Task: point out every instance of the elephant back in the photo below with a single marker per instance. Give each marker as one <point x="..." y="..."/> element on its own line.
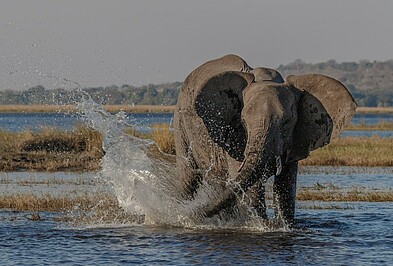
<point x="196" y="80"/>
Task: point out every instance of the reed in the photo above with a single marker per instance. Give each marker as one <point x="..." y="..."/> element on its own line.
<point x="324" y="207"/>
<point x="51" y="150"/>
<point x="354" y="151"/>
<point x="135" y="108"/>
<point x="83" y="209"/>
<point x="162" y="135"/>
<point x="354" y="194"/>
<point x="347" y="151"/>
<point x="81" y="149"/>
<point x="52" y="181"/>
<point x="16" y="108"/>
<point x="101" y="201"/>
<point x="48" y="202"/>
<point x="380" y="126"/>
<point x="380" y="110"/>
<point x="140" y="108"/>
<point x="21" y="108"/>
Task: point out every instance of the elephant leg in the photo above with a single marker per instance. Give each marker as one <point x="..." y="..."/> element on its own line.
<point x="284" y="192"/>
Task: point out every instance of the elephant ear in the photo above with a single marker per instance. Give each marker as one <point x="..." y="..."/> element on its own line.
<point x="324" y="109"/>
<point x="219" y="103"/>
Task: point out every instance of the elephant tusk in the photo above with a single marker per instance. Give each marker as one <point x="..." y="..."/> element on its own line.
<point x="241" y="166"/>
<point x="278" y="165"/>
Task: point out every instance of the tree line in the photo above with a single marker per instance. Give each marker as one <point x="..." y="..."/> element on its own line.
<point x="162" y="94"/>
<point x="370" y="83"/>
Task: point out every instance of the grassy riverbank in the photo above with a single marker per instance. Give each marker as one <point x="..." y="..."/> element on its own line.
<point x="55" y="150"/>
<point x="354" y="151"/>
<point x="81" y="150"/>
<point x="380" y="126"/>
<point x="51" y="150"/>
<point x="375" y="110"/>
<point x="70" y="108"/>
<point x="85" y="208"/>
<point x="16" y="108"/>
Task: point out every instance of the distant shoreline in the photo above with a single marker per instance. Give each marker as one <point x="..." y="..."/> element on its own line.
<point x="374" y="110"/>
<point x="15" y="108"/>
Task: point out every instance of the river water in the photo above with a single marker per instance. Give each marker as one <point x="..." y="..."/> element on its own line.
<point x="67" y="121"/>
<point x="361" y="236"/>
<point x="326" y="233"/>
<point x="335" y="233"/>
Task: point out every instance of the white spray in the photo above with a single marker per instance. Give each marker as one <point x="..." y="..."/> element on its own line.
<point x="144" y="185"/>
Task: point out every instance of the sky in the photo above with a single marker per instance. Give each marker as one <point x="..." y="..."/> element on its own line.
<point x="92" y="43"/>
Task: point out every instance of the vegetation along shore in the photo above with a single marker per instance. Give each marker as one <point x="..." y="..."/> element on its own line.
<point x="20" y="108"/>
<point x="92" y="207"/>
<point x="81" y="149"/>
<point x="370" y="83"/>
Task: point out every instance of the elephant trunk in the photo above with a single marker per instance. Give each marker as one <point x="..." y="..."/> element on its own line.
<point x="257" y="165"/>
<point x="262" y="116"/>
<point x="262" y="153"/>
<point x="260" y="160"/>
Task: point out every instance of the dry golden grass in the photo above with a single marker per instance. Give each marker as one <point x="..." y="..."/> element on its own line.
<point x="354" y="151"/>
<point x="140" y="108"/>
<point x="12" y="141"/>
<point x="51" y="203"/>
<point x="81" y="149"/>
<point x="162" y="135"/>
<point x="51" y="150"/>
<point x="52" y="181"/>
<point x="21" y="108"/>
<point x="354" y="194"/>
<point x="100" y="201"/>
<point x="54" y="150"/>
<point x="15" y="108"/>
<point x="136" y="108"/>
<point x="374" y="110"/>
<point x="381" y="126"/>
<point x="84" y="209"/>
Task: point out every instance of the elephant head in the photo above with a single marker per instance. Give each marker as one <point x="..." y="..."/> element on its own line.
<point x="253" y="122"/>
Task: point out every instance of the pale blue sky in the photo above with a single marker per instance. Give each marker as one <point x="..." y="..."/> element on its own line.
<point x="99" y="43"/>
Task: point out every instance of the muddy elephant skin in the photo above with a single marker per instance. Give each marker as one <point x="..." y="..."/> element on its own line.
<point x="244" y="125"/>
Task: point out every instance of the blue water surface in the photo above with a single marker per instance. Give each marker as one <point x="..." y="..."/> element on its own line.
<point x="142" y="121"/>
<point x="359" y="236"/>
<point x="351" y="233"/>
<point x="68" y="121"/>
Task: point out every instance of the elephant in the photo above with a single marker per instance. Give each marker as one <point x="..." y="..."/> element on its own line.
<point x="237" y="126"/>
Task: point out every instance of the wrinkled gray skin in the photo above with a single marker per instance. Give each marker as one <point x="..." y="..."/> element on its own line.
<point x="245" y="125"/>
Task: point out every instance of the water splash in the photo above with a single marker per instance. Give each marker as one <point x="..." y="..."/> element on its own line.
<point x="146" y="185"/>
